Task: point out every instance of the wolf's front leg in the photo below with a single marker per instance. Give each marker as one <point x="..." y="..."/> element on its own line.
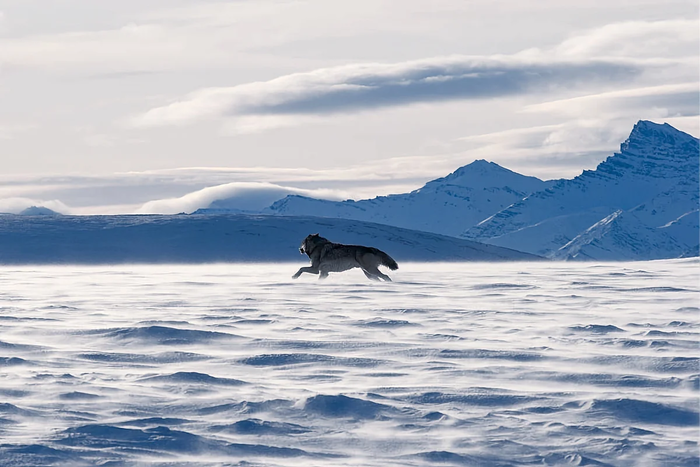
<point x="309" y="269"/>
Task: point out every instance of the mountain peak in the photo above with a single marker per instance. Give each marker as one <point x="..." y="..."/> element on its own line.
<point x="649" y="125"/>
<point x="484" y="174"/>
<point x="449" y="205"/>
<point x="649" y="132"/>
<point x="483" y="165"/>
<point x="480" y="167"/>
<point x="652" y="151"/>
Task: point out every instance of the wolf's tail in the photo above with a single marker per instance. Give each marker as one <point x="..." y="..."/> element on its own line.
<point x="387" y="260"/>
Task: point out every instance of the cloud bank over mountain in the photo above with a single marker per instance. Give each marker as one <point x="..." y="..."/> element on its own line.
<point x="352" y="88"/>
<point x="617" y="54"/>
<point x="392" y="94"/>
<point x="237" y="196"/>
<point x="17" y="205"/>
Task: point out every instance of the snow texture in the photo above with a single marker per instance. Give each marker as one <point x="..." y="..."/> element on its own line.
<point x="215" y="238"/>
<point x="455" y="364"/>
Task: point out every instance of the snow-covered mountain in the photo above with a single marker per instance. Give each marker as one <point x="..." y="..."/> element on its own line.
<point x="447" y="205"/>
<point x="34" y="211"/>
<point x="641" y="203"/>
<point x="216" y="238"/>
<point x="652" y="182"/>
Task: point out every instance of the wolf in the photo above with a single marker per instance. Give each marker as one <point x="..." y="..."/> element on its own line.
<point x="327" y="256"/>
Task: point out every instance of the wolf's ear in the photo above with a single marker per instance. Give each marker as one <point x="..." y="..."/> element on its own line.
<point x="315" y="235"/>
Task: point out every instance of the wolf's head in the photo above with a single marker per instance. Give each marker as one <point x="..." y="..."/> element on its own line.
<point x="310" y="242"/>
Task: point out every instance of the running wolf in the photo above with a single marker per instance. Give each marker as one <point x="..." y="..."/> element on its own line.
<point x="328" y="257"/>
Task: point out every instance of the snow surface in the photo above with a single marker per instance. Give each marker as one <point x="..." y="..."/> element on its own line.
<point x="504" y="364"/>
<point x="215" y="238"/>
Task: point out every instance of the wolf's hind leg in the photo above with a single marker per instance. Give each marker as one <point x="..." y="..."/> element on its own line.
<point x="323" y="275"/>
<point x="370" y="276"/>
<point x="378" y="273"/>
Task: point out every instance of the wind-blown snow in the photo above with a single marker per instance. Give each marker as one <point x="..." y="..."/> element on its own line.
<point x="503" y="364"/>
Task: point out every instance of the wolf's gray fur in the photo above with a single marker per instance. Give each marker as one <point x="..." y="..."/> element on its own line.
<point x="327" y="256"/>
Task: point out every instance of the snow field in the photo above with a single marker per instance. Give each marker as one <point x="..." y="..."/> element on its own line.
<point x="451" y="364"/>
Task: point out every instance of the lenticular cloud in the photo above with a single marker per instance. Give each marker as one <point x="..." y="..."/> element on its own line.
<point x="241" y="196"/>
<point x="357" y="87"/>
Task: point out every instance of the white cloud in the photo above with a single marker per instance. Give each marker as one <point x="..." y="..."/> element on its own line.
<point x="327" y="69"/>
<point x="367" y="86"/>
<point x="251" y="124"/>
<point x="590" y="128"/>
<point x="547" y="151"/>
<point x="582" y="139"/>
<point x="9" y="131"/>
<point x="176" y="38"/>
<point x="662" y="101"/>
<point x="669" y="38"/>
<point x="197" y="35"/>
<point x="613" y="56"/>
<point x="243" y="196"/>
<point x="551" y="151"/>
<point x="17" y="205"/>
<point x="189" y="188"/>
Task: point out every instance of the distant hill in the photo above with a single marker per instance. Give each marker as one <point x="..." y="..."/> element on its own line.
<point x="216" y="238"/>
<point x="38" y="211"/>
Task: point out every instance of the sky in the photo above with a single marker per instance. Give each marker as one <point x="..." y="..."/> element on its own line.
<point x="156" y="106"/>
